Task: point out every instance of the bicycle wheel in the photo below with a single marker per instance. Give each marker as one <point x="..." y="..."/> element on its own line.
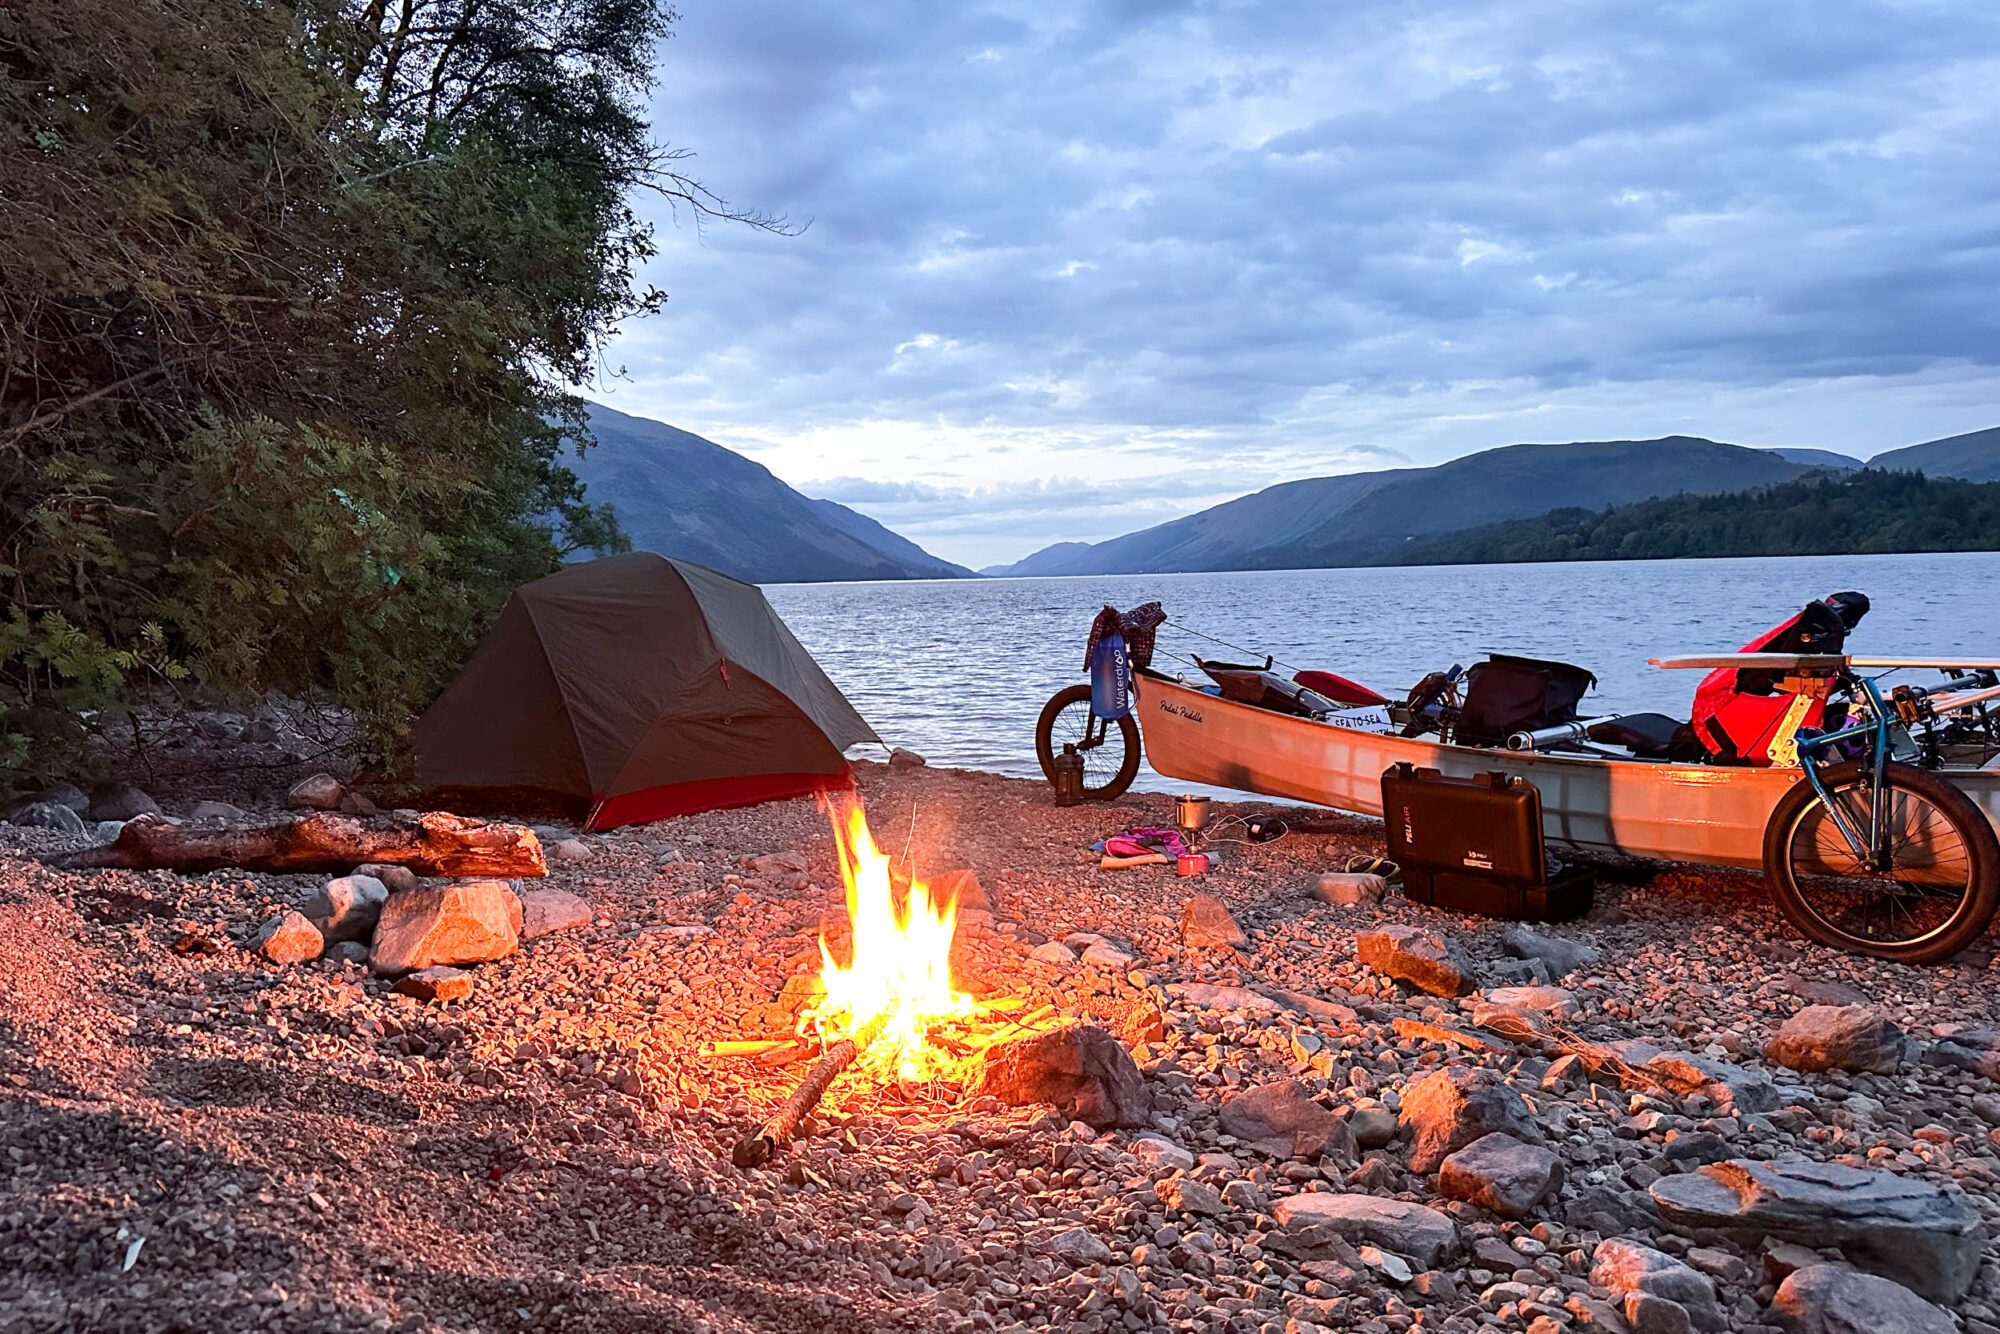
<point x="1110" y="750"/>
<point x="1936" y="894"/>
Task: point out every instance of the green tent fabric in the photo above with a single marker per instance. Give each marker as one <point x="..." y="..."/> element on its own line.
<point x="639" y="687"/>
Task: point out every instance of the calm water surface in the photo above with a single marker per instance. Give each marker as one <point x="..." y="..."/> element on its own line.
<point x="958" y="670"/>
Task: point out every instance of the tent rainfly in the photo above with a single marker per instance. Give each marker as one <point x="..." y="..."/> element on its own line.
<point x="640" y="687"/>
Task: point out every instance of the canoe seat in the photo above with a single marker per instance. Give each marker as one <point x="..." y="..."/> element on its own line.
<point x="1650" y="736"/>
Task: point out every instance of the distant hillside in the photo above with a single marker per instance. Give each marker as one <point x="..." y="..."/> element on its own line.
<point x="1973" y="457"/>
<point x="1848" y="513"/>
<point x="1358" y="518"/>
<point x="681" y="495"/>
<point x="1819" y="458"/>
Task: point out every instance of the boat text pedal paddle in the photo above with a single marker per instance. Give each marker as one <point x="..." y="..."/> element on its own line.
<point x="1475" y="845"/>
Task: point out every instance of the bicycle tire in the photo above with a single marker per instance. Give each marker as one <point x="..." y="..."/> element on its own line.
<point x="1065" y="700"/>
<point x="1795" y="837"/>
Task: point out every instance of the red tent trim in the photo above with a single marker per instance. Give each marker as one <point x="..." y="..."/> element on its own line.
<point x="660" y="803"/>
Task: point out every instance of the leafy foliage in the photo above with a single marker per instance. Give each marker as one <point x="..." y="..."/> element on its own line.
<point x="1852" y="513"/>
<point x="289" y="298"/>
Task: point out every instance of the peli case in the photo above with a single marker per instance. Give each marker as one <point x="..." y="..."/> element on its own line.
<point x="1475" y="845"/>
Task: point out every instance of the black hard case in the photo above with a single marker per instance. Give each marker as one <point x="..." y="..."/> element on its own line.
<point x="1475" y="845"/>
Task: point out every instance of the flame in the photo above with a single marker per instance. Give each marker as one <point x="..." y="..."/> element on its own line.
<point x="900" y="965"/>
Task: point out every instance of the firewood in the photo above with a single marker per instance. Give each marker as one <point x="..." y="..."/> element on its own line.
<point x="753" y="1150"/>
<point x="434" y="844"/>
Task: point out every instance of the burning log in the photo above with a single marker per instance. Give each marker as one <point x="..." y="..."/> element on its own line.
<point x="755" y="1150"/>
<point x="432" y="844"/>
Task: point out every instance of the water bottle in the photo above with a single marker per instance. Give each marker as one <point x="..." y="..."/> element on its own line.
<point x="1110" y="678"/>
<point x="1069" y="776"/>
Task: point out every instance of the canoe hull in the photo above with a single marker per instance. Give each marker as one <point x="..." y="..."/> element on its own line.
<point x="1679" y="812"/>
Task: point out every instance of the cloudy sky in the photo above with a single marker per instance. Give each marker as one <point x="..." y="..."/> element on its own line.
<point x="1074" y="268"/>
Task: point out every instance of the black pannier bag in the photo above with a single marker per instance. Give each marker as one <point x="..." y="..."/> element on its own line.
<point x="1475" y="845"/>
<point x="1506" y="694"/>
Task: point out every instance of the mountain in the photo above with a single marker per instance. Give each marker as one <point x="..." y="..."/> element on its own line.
<point x="1358" y="518"/>
<point x="1973" y="457"/>
<point x="1819" y="458"/>
<point x="681" y="495"/>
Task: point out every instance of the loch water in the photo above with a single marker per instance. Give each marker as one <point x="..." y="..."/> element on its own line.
<point x="958" y="670"/>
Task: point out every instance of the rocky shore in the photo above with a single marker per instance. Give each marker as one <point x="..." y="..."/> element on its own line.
<point x="1350" y="1112"/>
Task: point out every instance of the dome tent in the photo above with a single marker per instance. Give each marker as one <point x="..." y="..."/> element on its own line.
<point x="639" y="687"/>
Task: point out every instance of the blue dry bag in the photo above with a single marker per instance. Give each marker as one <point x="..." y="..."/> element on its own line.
<point x="1110" y="678"/>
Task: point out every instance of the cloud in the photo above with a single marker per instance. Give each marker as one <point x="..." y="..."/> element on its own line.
<point x="1056" y="240"/>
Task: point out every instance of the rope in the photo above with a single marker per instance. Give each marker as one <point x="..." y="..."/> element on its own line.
<point x="1186" y="629"/>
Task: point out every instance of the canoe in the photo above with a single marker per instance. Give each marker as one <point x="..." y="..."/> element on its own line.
<point x="1678" y="812"/>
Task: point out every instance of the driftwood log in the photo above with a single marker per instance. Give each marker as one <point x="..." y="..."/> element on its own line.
<point x="756" y="1148"/>
<point x="432" y="844"/>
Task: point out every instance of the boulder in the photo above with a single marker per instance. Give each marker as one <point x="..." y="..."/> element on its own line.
<point x="1730" y="1087"/>
<point x="962" y="888"/>
<point x="1925" y="1238"/>
<point x="289" y="938"/>
<point x="64" y="794"/>
<point x="570" y="850"/>
<point x="1450" y="1108"/>
<point x="399" y="879"/>
<point x="1350" y="889"/>
<point x="464" y="921"/>
<point x="1207" y="925"/>
<point x="1975" y="1050"/>
<point x="1191" y="1197"/>
<point x="436" y="984"/>
<point x="1502" y="1174"/>
<point x="1079" y="1246"/>
<point x="1838" y="1037"/>
<point x="1622" y="1267"/>
<point x="1282" y="1120"/>
<point x="1426" y="1236"/>
<point x="121" y="801"/>
<point x="1053" y="952"/>
<point x="905" y="759"/>
<point x="547" y="910"/>
<point x="354" y="803"/>
<point x="1372" y="1127"/>
<point x="1562" y="957"/>
<point x="1554" y="1002"/>
<point x="46" y="815"/>
<point x="1648" y="1314"/>
<point x="1159" y="1154"/>
<point x="1079" y="1069"/>
<point x="346" y="908"/>
<point x="1833" y="1299"/>
<point x="218" y="810"/>
<point x="1099" y="952"/>
<point x="321" y="792"/>
<point x="1417" y="957"/>
<point x="348" y="951"/>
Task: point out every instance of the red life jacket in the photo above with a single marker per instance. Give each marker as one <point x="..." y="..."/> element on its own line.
<point x="1737" y="710"/>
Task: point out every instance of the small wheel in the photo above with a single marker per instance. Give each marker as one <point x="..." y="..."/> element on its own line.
<point x="1936" y="895"/>
<point x="1110" y="750"/>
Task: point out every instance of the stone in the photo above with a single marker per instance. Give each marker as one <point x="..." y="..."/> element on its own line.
<point x="1372" y="1127"/>
<point x="1838" y="1037"/>
<point x="354" y="803"/>
<point x="1282" y="1120"/>
<point x="1647" y="1313"/>
<point x="321" y="792"/>
<point x="1511" y="1022"/>
<point x="1417" y="957"/>
<point x="1501" y="1174"/>
<point x="121" y="801"/>
<point x="1100" y="953"/>
<point x="1207" y="925"/>
<point x="1423" y="1234"/>
<point x="1079" y="1069"/>
<point x="547" y="910"/>
<point x="346" y="908"/>
<point x="107" y="831"/>
<point x="1209" y="996"/>
<point x="1079" y="1246"/>
<point x="1554" y="1002"/>
<point x="900" y="758"/>
<point x="289" y="938"/>
<point x="1561" y="956"/>
<point x="1820" y="992"/>
<point x="1350" y="889"/>
<point x="399" y="879"/>
<point x="220" y="811"/>
<point x="963" y="889"/>
<point x="1833" y="1299"/>
<point x="1699" y="1147"/>
<point x="64" y="794"/>
<point x="1191" y="1197"/>
<point x="1156" y="1153"/>
<point x="463" y="921"/>
<point x="1975" y="1050"/>
<point x="570" y="850"/>
<point x="46" y="815"/>
<point x="1451" y="1107"/>
<point x="1730" y="1087"/>
<point x="436" y="984"/>
<point x="1925" y="1238"/>
<point x="1621" y="1266"/>
<point x="348" y="952"/>
<point x="780" y="863"/>
<point x="1054" y="952"/>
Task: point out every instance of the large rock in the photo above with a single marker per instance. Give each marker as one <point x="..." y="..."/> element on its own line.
<point x="436" y="984"/>
<point x="465" y="921"/>
<point x="1350" y="889"/>
<point x="398" y="879"/>
<point x="1502" y="1174"/>
<point x="1624" y="1267"/>
<point x="320" y="792"/>
<point x="1923" y="1237"/>
<point x="547" y="910"/>
<point x="1732" y="1088"/>
<point x="1207" y="925"/>
<point x="1561" y="956"/>
<point x="1282" y="1119"/>
<point x="64" y="794"/>
<point x="121" y="801"/>
<point x="1554" y="1002"/>
<point x="1079" y="1069"/>
<point x="1417" y="957"/>
<point x="1450" y="1108"/>
<point x="1975" y="1050"/>
<point x="289" y="938"/>
<point x="221" y="812"/>
<point x="46" y="815"/>
<point x="1838" y="1037"/>
<point x="346" y="908"/>
<point x="1833" y="1299"/>
<point x="1426" y="1236"/>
